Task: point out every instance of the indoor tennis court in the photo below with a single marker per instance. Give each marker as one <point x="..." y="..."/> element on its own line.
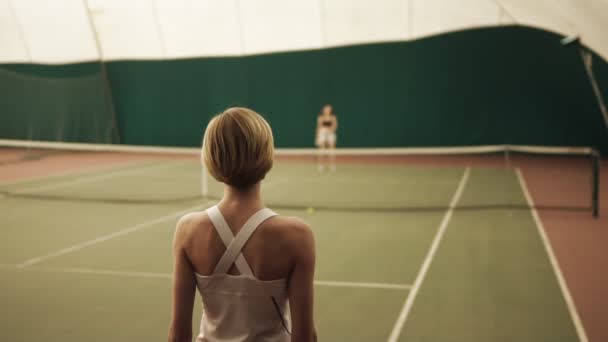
<point x="428" y="247"/>
<point x="449" y="156"/>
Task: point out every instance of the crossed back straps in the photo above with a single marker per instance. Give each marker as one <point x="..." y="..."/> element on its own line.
<point x="235" y="244"/>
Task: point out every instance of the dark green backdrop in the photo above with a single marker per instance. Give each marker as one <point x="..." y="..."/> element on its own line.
<point x="503" y="85"/>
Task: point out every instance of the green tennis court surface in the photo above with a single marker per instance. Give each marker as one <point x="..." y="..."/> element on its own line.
<point x="404" y="253"/>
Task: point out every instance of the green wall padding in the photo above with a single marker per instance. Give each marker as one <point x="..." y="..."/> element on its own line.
<point x="600" y="71"/>
<point x="501" y="85"/>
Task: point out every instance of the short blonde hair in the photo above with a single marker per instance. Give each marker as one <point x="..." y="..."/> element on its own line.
<point x="238" y="147"/>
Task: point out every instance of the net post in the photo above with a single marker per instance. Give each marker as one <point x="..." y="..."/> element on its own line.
<point x="507" y="154"/>
<point x="595" y="183"/>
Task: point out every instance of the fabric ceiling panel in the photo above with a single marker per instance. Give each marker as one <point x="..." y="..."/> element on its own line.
<point x="279" y="25"/>
<point x="363" y="21"/>
<point x="13" y="48"/>
<point x="127" y="29"/>
<point x="55" y="31"/>
<point x="543" y="14"/>
<point x="192" y="28"/>
<point x="431" y="17"/>
<point x="58" y="31"/>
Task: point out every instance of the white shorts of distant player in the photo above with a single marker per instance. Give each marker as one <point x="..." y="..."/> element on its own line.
<point x="326" y="137"/>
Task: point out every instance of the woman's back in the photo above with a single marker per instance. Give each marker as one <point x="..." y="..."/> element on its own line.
<point x="242" y="263"/>
<point x="253" y="268"/>
<point x="267" y="251"/>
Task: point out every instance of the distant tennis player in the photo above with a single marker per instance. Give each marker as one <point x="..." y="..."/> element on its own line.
<point x="253" y="268"/>
<point x="325" y="140"/>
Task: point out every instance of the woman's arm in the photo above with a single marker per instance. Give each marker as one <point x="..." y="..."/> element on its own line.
<point x="184" y="287"/>
<point x="301" y="292"/>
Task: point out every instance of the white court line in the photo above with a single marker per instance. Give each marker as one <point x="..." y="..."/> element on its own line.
<point x="580" y="330"/>
<point x="103" y="238"/>
<point x="387" y="286"/>
<point x="95" y="178"/>
<point x="409" y="301"/>
<point x="136" y="274"/>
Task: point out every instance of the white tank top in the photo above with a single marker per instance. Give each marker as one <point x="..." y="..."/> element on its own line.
<point x="241" y="307"/>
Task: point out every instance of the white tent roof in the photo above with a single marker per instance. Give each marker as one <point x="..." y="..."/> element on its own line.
<point x="59" y="31"/>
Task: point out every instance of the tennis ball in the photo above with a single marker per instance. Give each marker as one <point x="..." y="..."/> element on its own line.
<point x="310" y="210"/>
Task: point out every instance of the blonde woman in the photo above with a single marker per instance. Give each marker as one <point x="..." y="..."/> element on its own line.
<point x="327" y="126"/>
<point x="253" y="268"/>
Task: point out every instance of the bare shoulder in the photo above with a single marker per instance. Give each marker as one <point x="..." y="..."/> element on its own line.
<point x="290" y="229"/>
<point x="191" y="223"/>
<point x="296" y="238"/>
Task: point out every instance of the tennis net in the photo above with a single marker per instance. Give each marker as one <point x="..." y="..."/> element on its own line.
<point x="38" y="105"/>
<point x="400" y="179"/>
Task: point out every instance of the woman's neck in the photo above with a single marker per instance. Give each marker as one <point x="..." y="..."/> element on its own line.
<point x="242" y="199"/>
